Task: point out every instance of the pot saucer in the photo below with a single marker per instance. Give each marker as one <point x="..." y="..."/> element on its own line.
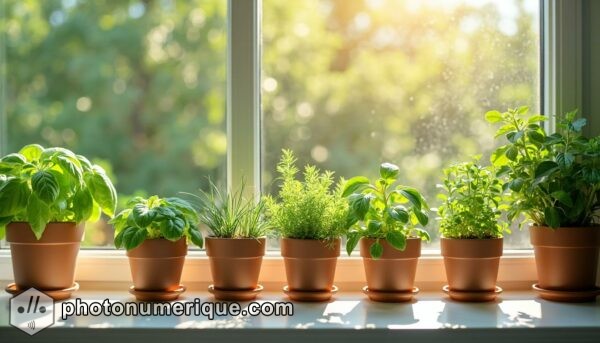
<point x="56" y="294"/>
<point x="472" y="296"/>
<point x="310" y="296"/>
<point x="567" y="296"/>
<point x="235" y="295"/>
<point x="157" y="295"/>
<point x="390" y="297"/>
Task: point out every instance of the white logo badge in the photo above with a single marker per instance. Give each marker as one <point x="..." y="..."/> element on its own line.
<point x="31" y="311"/>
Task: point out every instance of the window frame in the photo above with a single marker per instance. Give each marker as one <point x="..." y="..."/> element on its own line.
<point x="561" y="89"/>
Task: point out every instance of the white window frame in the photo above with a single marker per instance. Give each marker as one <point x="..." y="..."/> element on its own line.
<point x="561" y="90"/>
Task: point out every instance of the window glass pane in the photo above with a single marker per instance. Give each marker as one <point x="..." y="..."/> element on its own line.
<point x="348" y="84"/>
<point x="136" y="86"/>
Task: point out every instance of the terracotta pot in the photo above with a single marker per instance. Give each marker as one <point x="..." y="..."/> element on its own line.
<point x="395" y="270"/>
<point x="235" y="262"/>
<point x="156" y="264"/>
<point x="472" y="264"/>
<point x="566" y="258"/>
<point x="310" y="264"/>
<point x="47" y="263"/>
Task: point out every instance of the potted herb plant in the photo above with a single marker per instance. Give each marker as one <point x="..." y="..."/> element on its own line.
<point x="390" y="241"/>
<point x="554" y="181"/>
<point x="472" y="229"/>
<point x="310" y="217"/>
<point x="155" y="232"/>
<point x="237" y="242"/>
<point x="46" y="195"/>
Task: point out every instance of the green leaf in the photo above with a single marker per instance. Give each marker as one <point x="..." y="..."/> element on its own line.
<point x="536" y="119"/>
<point x="536" y="136"/>
<point x="119" y="238"/>
<point x="552" y="217"/>
<point x="396" y="239"/>
<point x="563" y="197"/>
<point x="352" y="241"/>
<point x="45" y="186"/>
<point x="545" y="168"/>
<point x="512" y="153"/>
<point x="86" y="165"/>
<point x="14" y="159"/>
<point x="516" y="184"/>
<point x="421" y="217"/>
<point x="565" y="159"/>
<point x="38" y="215"/>
<point x="388" y="170"/>
<point x="14" y="196"/>
<point x="142" y="215"/>
<point x="354" y="185"/>
<point x="32" y="152"/>
<point x="83" y="205"/>
<point x="373" y="227"/>
<point x="493" y="117"/>
<point x="376" y="250"/>
<point x="412" y="195"/>
<point x="399" y="213"/>
<point x="102" y="190"/>
<point x="70" y="167"/>
<point x="172" y="229"/>
<point x="424" y="235"/>
<point x="578" y="124"/>
<point x="359" y="203"/>
<point x="133" y="237"/>
<point x="196" y="236"/>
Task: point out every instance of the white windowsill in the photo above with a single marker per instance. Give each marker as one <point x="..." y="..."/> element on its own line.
<point x="350" y="317"/>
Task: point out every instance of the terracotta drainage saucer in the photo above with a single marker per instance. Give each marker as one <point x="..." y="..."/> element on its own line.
<point x="157" y="295"/>
<point x="56" y="294"/>
<point x="472" y="296"/>
<point x="567" y="296"/>
<point x="235" y="294"/>
<point x="390" y="297"/>
<point x="310" y="296"/>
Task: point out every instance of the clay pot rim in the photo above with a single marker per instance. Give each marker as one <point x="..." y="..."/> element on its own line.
<point x="472" y="239"/>
<point x="236" y="238"/>
<point x="317" y="249"/>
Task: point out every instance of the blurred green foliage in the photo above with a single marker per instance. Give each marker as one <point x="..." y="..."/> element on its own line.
<point x="140" y="85"/>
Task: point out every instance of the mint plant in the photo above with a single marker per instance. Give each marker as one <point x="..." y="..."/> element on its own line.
<point x="384" y="212"/>
<point x="471" y="203"/>
<point x="154" y="217"/>
<point x="230" y="215"/>
<point x="553" y="179"/>
<point x="309" y="209"/>
<point x="39" y="186"/>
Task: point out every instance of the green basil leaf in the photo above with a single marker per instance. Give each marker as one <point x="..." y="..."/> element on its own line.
<point x="493" y="117"/>
<point x="38" y="215"/>
<point x="359" y="203"/>
<point x="14" y="196"/>
<point x="388" y="170"/>
<point x="133" y="237"/>
<point x="399" y="213"/>
<point x="352" y="241"/>
<point x="396" y="239"/>
<point x="354" y="185"/>
<point x="102" y="190"/>
<point x="411" y="195"/>
<point x="552" y="217"/>
<point x="376" y="250"/>
<point x="32" y="152"/>
<point x="421" y="217"/>
<point x="196" y="236"/>
<point x="563" y="197"/>
<point x="70" y="167"/>
<point x="545" y="168"/>
<point x="45" y="186"/>
<point x="142" y="215"/>
<point x="172" y="228"/>
<point x="83" y="205"/>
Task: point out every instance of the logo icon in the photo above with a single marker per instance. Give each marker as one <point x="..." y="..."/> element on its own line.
<point x="31" y="311"/>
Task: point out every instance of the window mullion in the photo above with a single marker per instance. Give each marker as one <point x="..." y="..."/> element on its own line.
<point x="243" y="95"/>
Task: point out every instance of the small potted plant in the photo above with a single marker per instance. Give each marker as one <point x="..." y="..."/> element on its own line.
<point x="46" y="195"/>
<point x="554" y="181"/>
<point x="471" y="228"/>
<point x="310" y="217"/>
<point x="155" y="232"/>
<point x="237" y="242"/>
<point x="390" y="241"/>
